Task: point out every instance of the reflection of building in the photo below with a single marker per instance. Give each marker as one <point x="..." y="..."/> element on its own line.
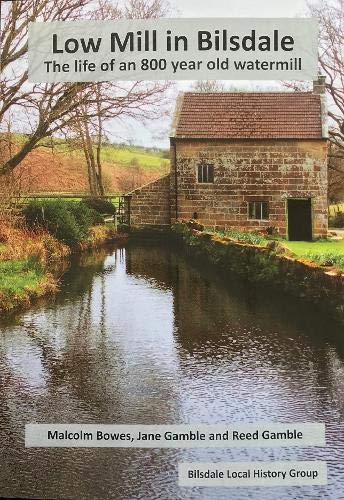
<point x="151" y="262"/>
<point x="249" y="160"/>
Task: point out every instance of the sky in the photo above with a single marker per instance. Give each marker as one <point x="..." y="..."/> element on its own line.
<point x="240" y="8"/>
<point x="157" y="133"/>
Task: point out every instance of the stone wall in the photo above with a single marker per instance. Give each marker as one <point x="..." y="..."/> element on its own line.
<point x="305" y="280"/>
<point x="150" y="204"/>
<point x="249" y="170"/>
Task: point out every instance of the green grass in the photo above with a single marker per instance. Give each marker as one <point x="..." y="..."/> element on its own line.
<point x="17" y="276"/>
<point x="66" y="196"/>
<point x="303" y="247"/>
<point x="129" y="156"/>
<point x="323" y="252"/>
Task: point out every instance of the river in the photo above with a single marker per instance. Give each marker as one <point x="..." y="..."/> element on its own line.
<point x="142" y="335"/>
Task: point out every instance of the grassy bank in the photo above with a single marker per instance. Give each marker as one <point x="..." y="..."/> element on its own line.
<point x="124" y="167"/>
<point x="26" y="260"/>
<point x="325" y="252"/>
<point x="32" y="261"/>
<point x="22" y="281"/>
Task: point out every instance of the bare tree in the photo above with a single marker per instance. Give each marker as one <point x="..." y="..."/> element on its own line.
<point x="208" y="86"/>
<point x="15" y="19"/>
<point x="49" y="109"/>
<point x="331" y="62"/>
<point x="335" y="174"/>
<point x="139" y="100"/>
<point x="91" y="129"/>
<point x="141" y="9"/>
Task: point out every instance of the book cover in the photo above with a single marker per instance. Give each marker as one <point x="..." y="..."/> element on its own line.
<point x="171" y="250"/>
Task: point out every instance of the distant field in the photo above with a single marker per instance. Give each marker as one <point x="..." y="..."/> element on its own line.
<point x="130" y="156"/>
<point x="60" y="167"/>
<point x="127" y="156"/>
<point x="114" y="198"/>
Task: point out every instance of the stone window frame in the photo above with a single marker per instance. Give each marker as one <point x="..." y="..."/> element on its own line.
<point x="261" y="202"/>
<point x="203" y="164"/>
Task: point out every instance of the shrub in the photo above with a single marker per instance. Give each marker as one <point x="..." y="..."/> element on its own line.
<point x="337" y="220"/>
<point x="100" y="205"/>
<point x="68" y="221"/>
<point x="85" y="215"/>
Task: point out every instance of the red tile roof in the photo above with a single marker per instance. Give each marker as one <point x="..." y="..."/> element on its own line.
<point x="249" y="115"/>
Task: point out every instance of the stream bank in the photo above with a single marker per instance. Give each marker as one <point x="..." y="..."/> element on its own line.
<point x="266" y="266"/>
<point x="31" y="263"/>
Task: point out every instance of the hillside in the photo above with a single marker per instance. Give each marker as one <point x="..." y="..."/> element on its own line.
<point x="60" y="167"/>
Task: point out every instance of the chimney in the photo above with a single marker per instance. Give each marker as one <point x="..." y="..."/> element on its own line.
<point x="319" y="85"/>
<point x="319" y="88"/>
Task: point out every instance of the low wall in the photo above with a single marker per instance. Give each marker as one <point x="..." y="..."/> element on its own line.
<point x="322" y="286"/>
<point x="150" y="204"/>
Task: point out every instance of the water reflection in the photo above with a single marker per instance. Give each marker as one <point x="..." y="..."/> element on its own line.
<point x="140" y="335"/>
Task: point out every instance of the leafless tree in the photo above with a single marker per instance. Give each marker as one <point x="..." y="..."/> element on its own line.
<point x="208" y="86"/>
<point x="15" y="19"/>
<point x="90" y="128"/>
<point x="335" y="175"/>
<point x="49" y="109"/>
<point x="331" y="62"/>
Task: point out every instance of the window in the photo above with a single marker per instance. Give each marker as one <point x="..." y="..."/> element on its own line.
<point x="258" y="210"/>
<point x="205" y="173"/>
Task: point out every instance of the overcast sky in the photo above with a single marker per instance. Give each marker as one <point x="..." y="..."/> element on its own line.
<point x="156" y="134"/>
<point x="240" y="8"/>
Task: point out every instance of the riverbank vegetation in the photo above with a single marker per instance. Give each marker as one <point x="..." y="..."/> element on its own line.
<point x="22" y="281"/>
<point x="26" y="260"/>
<point x="33" y="254"/>
<point x="68" y="221"/>
<point x="250" y="237"/>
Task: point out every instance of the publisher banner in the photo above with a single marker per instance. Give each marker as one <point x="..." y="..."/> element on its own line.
<point x="174" y="436"/>
<point x="289" y="473"/>
<point x="173" y="49"/>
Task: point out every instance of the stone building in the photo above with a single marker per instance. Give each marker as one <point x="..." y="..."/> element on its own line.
<point x="250" y="160"/>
